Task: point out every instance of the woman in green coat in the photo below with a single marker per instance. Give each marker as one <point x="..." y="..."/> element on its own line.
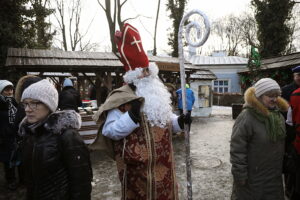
<point x="257" y="144"/>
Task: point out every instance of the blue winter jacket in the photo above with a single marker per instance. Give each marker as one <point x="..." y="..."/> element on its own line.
<point x="190" y="99"/>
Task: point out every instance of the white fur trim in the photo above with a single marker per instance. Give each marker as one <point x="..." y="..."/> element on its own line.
<point x="132" y="75"/>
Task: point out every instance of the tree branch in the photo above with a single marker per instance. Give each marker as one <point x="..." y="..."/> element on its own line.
<point x="101" y="5"/>
<point x="123" y="3"/>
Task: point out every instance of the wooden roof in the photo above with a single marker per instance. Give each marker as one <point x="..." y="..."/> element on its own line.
<point x="287" y="61"/>
<point x="36" y="60"/>
<point x="203" y="75"/>
<point x="61" y="61"/>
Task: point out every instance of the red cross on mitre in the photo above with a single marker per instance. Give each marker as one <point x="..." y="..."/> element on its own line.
<point x="130" y="48"/>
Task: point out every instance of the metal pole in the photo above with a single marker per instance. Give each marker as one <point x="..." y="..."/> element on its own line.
<point x="182" y="76"/>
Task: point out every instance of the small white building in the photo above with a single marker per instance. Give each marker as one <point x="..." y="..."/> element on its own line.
<point x="226" y="69"/>
<point x="200" y="83"/>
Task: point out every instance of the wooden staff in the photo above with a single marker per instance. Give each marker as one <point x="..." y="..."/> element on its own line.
<point x="201" y="41"/>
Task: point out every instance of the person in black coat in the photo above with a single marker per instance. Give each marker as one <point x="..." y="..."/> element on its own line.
<point x="69" y="98"/>
<point x="22" y="84"/>
<point x="291" y="161"/>
<point x="56" y="160"/>
<point x="8" y="109"/>
<point x="287" y="90"/>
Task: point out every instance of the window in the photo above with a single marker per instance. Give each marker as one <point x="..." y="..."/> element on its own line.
<point x="221" y="86"/>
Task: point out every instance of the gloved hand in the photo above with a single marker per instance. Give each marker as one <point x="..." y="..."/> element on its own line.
<point x="135" y="110"/>
<point x="184" y="119"/>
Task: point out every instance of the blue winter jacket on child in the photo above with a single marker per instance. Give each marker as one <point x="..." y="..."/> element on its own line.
<point x="190" y="99"/>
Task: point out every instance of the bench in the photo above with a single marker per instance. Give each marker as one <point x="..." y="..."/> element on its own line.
<point x="89" y="128"/>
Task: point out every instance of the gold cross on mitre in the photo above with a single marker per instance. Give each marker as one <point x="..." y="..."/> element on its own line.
<point x="136" y="42"/>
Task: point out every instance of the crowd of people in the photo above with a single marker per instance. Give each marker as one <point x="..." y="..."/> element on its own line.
<point x="42" y="141"/>
<point x="39" y="133"/>
<point x="39" y="136"/>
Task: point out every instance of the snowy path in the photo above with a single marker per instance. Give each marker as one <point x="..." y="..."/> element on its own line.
<point x="210" y="153"/>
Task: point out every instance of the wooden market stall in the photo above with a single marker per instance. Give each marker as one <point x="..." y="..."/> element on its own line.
<point x="101" y="70"/>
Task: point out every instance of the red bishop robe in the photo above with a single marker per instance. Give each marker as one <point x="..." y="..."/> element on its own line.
<point x="145" y="164"/>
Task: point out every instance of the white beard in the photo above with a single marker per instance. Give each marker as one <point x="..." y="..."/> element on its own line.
<point x="157" y="105"/>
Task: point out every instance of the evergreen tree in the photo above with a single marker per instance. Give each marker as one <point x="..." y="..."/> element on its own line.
<point x="272" y="17"/>
<point x="176" y="7"/>
<point x="40" y="35"/>
<point x="12" y="34"/>
<point x="22" y="26"/>
<point x="254" y="63"/>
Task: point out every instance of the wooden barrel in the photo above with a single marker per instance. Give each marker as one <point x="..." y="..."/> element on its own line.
<point x="236" y="109"/>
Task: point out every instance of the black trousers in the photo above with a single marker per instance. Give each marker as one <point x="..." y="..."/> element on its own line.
<point x="292" y="182"/>
<point x="9" y="172"/>
<point x="189" y="111"/>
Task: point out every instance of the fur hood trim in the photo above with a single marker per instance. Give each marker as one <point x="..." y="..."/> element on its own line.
<point x="59" y="121"/>
<point x="252" y="101"/>
<point x="19" y="87"/>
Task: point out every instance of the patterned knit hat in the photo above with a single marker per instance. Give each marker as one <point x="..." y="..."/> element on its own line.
<point x="265" y="85"/>
<point x="44" y="92"/>
<point x="4" y="84"/>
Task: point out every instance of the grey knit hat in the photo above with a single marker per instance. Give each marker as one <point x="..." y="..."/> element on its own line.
<point x="4" y="84"/>
<point x="44" y="92"/>
<point x="265" y="85"/>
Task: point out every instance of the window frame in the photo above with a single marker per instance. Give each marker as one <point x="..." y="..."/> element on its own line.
<point x="218" y="86"/>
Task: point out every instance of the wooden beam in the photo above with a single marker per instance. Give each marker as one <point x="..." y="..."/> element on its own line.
<point x="89" y="79"/>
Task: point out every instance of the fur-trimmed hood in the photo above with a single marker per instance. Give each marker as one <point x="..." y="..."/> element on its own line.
<point x="252" y="101"/>
<point x="58" y="121"/>
<point x="23" y="83"/>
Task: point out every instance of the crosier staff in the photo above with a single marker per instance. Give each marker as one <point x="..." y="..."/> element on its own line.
<point x="201" y="41"/>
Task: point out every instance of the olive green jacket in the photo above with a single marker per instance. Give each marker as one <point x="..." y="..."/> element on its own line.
<point x="256" y="159"/>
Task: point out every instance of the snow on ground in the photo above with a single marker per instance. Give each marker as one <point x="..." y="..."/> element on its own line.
<point x="210" y="156"/>
<point x="221" y="110"/>
<point x="210" y="163"/>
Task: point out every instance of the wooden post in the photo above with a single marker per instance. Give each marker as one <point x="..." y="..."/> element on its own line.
<point x="98" y="84"/>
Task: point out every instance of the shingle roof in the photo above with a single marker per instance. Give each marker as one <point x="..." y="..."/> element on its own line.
<point x="226" y="60"/>
<point x="287" y="61"/>
<point x="203" y="75"/>
<point x="71" y="61"/>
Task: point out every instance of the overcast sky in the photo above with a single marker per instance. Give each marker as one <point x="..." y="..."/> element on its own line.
<point x="99" y="33"/>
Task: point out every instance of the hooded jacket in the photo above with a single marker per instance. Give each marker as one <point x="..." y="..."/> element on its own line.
<point x="288" y="90"/>
<point x="22" y="84"/>
<point x="69" y="99"/>
<point x="255" y="158"/>
<point x="56" y="160"/>
<point x="190" y="99"/>
<point x="7" y="133"/>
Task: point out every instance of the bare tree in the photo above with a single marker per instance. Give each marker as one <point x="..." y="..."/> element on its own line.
<point x="236" y="33"/>
<point x="155" y="29"/>
<point x="69" y="21"/>
<point x="113" y="12"/>
<point x="295" y="27"/>
<point x="249" y="29"/>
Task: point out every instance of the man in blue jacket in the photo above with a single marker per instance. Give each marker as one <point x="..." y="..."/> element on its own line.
<point x="190" y="99"/>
